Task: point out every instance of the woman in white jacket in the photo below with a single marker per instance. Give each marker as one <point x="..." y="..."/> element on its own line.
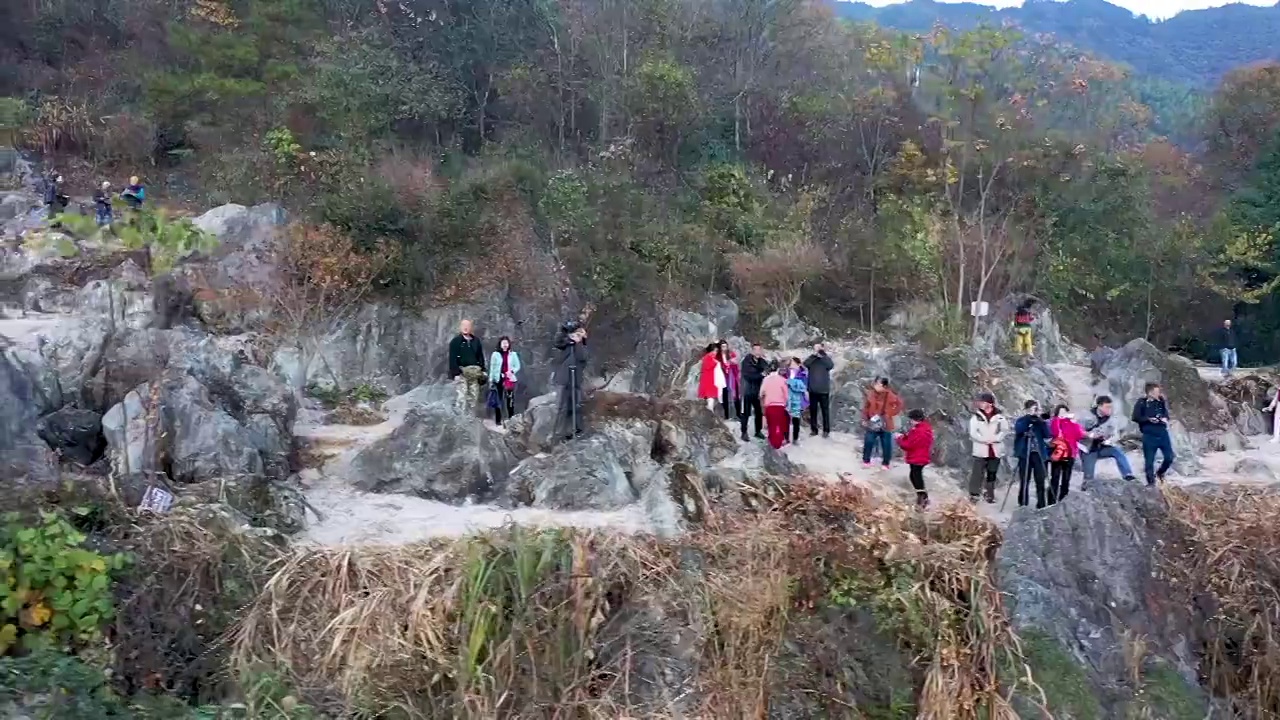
<point x="987" y="429"/>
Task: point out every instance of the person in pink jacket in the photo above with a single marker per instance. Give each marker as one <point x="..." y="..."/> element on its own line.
<point x="773" y="394"/>
<point x="1066" y="435"/>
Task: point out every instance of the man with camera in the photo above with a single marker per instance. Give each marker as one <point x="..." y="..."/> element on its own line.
<point x="1031" y="447"/>
<point x="571" y="343"/>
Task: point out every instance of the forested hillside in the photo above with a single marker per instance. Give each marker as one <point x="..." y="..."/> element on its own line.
<point x="1196" y="47"/>
<point x="665" y="147"/>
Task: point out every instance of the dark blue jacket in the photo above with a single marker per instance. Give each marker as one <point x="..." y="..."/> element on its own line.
<point x="1145" y="413"/>
<point x="1029" y="427"/>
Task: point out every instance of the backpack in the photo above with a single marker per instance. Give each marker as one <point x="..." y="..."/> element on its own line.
<point x="1058" y="450"/>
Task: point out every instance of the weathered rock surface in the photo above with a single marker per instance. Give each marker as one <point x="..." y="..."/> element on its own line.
<point x="995" y="333"/>
<point x="25" y="459"/>
<point x="437" y="453"/>
<point x="74" y="434"/>
<point x="1085" y="574"/>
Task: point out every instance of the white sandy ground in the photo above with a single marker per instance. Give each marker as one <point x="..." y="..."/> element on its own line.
<point x="26" y="331"/>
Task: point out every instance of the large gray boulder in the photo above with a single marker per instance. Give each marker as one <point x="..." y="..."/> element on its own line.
<point x="25" y="460"/>
<point x="1087" y="598"/>
<point x="437" y="452"/>
<point x="995" y="333"/>
<point x="73" y="434"/>
<point x="179" y="426"/>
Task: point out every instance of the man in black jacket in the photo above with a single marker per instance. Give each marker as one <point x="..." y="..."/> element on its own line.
<point x="754" y="369"/>
<point x="466" y="367"/>
<point x="571" y="343"/>
<point x="819" y="365"/>
<point x="1152" y="415"/>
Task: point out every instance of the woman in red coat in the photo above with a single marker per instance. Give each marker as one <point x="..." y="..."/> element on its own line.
<point x="917" y="446"/>
<point x="711" y="380"/>
<point x="1063" y="449"/>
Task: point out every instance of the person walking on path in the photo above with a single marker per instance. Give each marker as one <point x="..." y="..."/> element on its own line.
<point x="1152" y="415"/>
<point x="917" y="449"/>
<point x="819" y="365"/>
<point x="1063" y="449"/>
<point x="754" y="368"/>
<point x="571" y="343"/>
<point x="987" y="429"/>
<point x="878" y="412"/>
<point x="1031" y="448"/>
<point x="711" y="377"/>
<point x="1023" y="318"/>
<point x="102" y="204"/>
<point x="773" y="393"/>
<point x="1227" y="345"/>
<point x="504" y="370"/>
<point x="1101" y="431"/>
<point x="797" y="394"/>
<point x="731" y="396"/>
<point x="466" y="366"/>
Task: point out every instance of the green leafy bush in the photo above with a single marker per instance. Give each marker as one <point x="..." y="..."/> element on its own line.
<point x="56" y="592"/>
<point x="170" y="239"/>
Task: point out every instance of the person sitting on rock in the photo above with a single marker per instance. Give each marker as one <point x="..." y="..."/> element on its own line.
<point x="1031" y="448"/>
<point x="1100" y="435"/>
<point x="731" y="396"/>
<point x="797" y="395"/>
<point x="878" y="412"/>
<point x="773" y="394"/>
<point x="102" y="204"/>
<point x="1152" y="415"/>
<point x="753" y="371"/>
<point x="987" y="430"/>
<point x="1065" y="446"/>
<point x="712" y="380"/>
<point x="466" y="366"/>
<point x="1022" y="332"/>
<point x="504" y="367"/>
<point x="134" y="194"/>
<point x="917" y="447"/>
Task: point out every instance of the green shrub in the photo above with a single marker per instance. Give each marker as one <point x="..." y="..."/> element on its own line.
<point x="55" y="592"/>
<point x="170" y="239"/>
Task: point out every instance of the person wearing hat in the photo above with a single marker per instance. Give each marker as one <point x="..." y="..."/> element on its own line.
<point x="987" y="429"/>
<point x="134" y="194"/>
<point x="102" y="204"/>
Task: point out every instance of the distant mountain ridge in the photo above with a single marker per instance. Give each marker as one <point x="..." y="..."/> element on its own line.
<point x="1194" y="46"/>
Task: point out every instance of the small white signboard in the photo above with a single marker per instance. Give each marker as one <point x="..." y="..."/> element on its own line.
<point x="979" y="309"/>
<point x="156" y="500"/>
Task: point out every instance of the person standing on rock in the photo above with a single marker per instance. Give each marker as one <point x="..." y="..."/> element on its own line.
<point x="571" y="342"/>
<point x="1022" y="331"/>
<point x="504" y="369"/>
<point x="797" y="395"/>
<point x="1101" y="432"/>
<point x="754" y="368"/>
<point x="1274" y="409"/>
<point x="1227" y="343"/>
<point x="712" y="380"/>
<point x="55" y="200"/>
<point x="466" y="366"/>
<point x="987" y="429"/>
<point x="102" y="204"/>
<point x="917" y="447"/>
<point x="1063" y="450"/>
<point x="878" y="412"/>
<point x="819" y="365"/>
<point x="134" y="194"/>
<point x="773" y="394"/>
<point x="731" y="396"/>
<point x="1152" y="415"/>
<point x="1031" y="448"/>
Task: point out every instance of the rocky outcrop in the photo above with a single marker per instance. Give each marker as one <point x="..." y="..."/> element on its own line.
<point x="437" y="452"/>
<point x="995" y="333"/>
<point x="25" y="460"/>
<point x="73" y="434"/>
<point x="1082" y="580"/>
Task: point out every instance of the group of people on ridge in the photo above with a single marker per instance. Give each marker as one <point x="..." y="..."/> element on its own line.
<point x="1046" y="445"/>
<point x="56" y="200"/>
<point x="776" y="393"/>
<point x="500" y="374"/>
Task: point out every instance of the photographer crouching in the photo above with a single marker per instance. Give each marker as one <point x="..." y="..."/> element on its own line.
<point x="571" y="342"/>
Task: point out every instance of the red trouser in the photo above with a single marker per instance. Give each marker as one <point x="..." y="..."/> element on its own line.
<point x="779" y="422"/>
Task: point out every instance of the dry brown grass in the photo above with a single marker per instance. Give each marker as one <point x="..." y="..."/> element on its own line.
<point x="1230" y="566"/>
<point x="528" y="623"/>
